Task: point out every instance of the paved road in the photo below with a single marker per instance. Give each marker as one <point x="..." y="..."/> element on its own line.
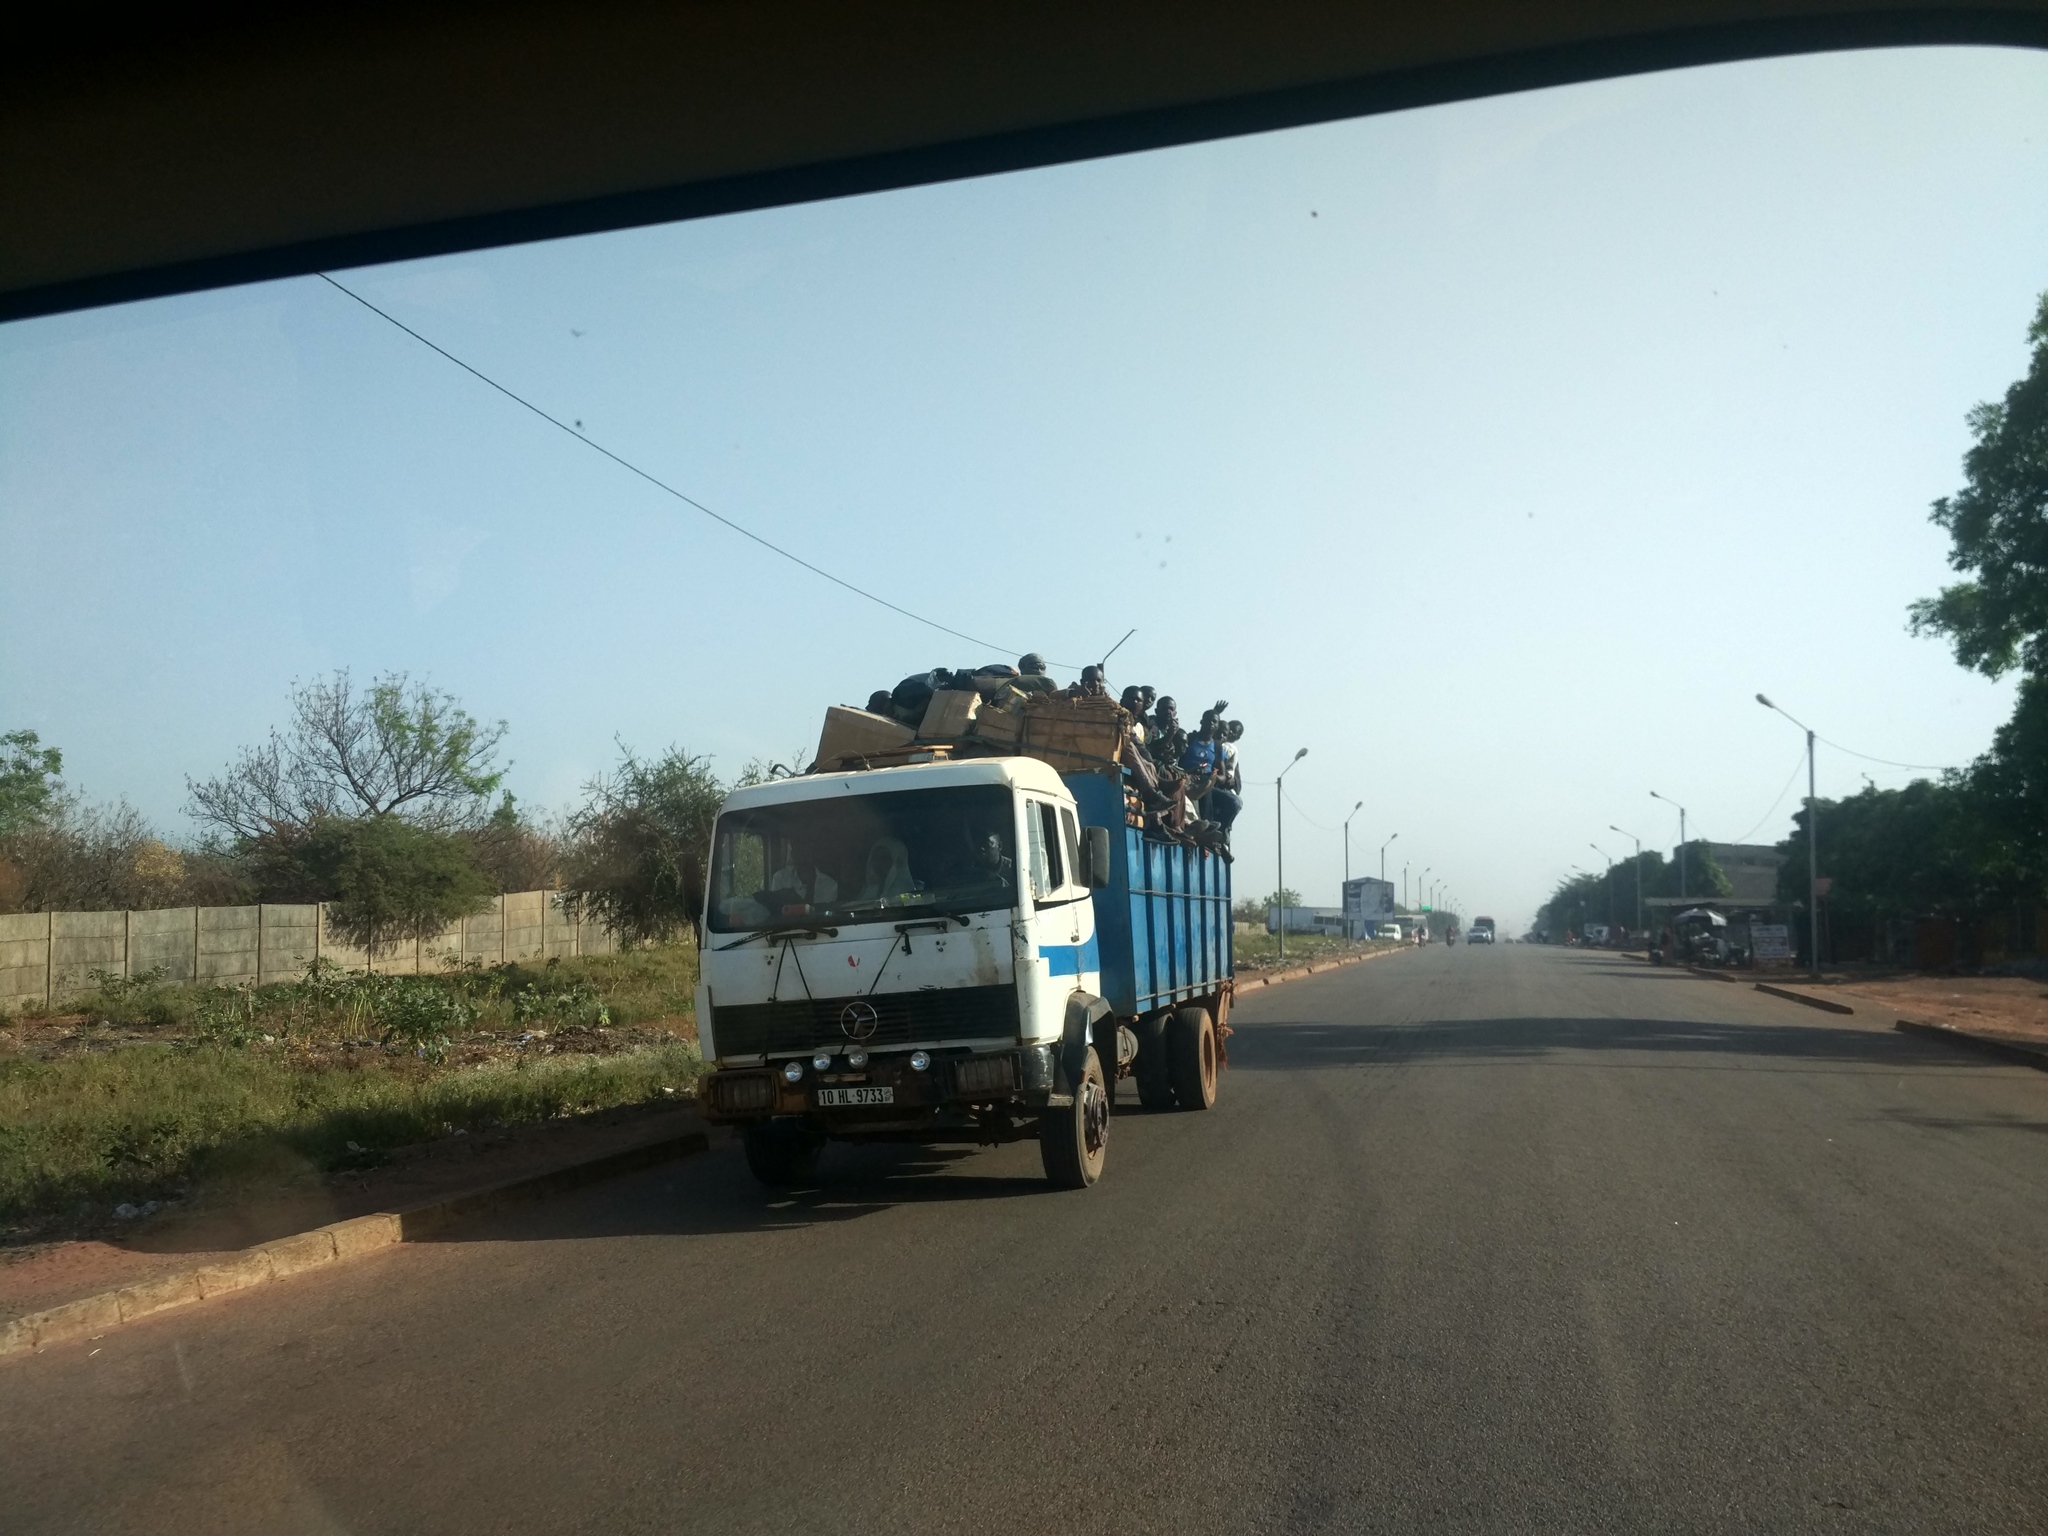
<point x="1513" y="1240"/>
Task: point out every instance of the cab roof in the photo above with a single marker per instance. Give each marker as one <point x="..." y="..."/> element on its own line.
<point x="1021" y="772"/>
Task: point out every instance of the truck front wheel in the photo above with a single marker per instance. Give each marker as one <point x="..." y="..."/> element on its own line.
<point x="1073" y="1140"/>
<point x="782" y="1153"/>
<point x="1191" y="1057"/>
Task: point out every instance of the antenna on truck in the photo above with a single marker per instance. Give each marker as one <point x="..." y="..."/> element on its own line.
<point x="1104" y="663"/>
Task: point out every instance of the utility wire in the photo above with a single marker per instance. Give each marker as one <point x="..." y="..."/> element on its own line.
<point x="1304" y="815"/>
<point x="1926" y="766"/>
<point x="662" y="485"/>
<point x="1798" y="763"/>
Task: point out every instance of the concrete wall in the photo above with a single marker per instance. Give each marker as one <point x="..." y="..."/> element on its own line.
<point x="47" y="958"/>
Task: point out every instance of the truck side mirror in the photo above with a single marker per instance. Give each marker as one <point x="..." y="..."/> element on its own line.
<point x="1095" y="857"/>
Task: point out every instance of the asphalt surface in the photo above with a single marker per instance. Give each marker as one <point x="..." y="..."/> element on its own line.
<point x="1478" y="1240"/>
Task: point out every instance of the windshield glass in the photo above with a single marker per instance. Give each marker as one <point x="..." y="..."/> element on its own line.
<point x="864" y="857"/>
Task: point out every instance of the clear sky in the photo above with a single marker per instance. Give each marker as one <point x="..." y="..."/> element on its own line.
<point x="1497" y="453"/>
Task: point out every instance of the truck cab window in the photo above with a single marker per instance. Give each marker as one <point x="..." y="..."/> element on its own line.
<point x="1043" y="881"/>
<point x="864" y="858"/>
<point x="1054" y="860"/>
<point x="1072" y="844"/>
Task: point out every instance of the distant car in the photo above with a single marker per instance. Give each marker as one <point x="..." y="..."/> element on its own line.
<point x="1482" y="931"/>
<point x="1387" y="931"/>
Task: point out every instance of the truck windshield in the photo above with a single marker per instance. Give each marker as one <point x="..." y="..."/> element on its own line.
<point x="864" y="857"/>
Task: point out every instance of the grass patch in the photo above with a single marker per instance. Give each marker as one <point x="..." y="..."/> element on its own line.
<point x="1250" y="950"/>
<point x="150" y="1091"/>
<point x="638" y="986"/>
<point x="160" y="1122"/>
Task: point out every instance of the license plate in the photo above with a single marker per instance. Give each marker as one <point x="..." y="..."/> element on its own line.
<point x="847" y="1098"/>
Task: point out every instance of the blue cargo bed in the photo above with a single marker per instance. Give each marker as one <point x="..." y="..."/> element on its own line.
<point x="1163" y="920"/>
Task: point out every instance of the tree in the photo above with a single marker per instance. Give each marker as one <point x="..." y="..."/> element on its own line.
<point x="1704" y="876"/>
<point x="1998" y="525"/>
<point x="1906" y="852"/>
<point x="512" y="852"/>
<point x="385" y="879"/>
<point x="2007" y="789"/>
<point x="640" y="844"/>
<point x="30" y="786"/>
<point x="397" y="748"/>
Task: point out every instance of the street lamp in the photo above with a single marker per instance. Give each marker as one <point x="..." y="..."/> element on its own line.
<point x="1280" y="842"/>
<point x="1812" y="837"/>
<point x="1383" y="869"/>
<point x="1639" y="873"/>
<point x="1681" y="839"/>
<point x="1347" y="840"/>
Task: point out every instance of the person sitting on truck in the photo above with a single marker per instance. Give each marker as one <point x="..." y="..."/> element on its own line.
<point x="1232" y="776"/>
<point x="1093" y="685"/>
<point x="1205" y="763"/>
<point x="1031" y="676"/>
<point x="1133" y="703"/>
<point x="1166" y="739"/>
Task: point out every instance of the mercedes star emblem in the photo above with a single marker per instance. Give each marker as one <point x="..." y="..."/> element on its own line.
<point x="858" y="1020"/>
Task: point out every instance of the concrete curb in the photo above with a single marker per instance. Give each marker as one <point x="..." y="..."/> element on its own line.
<point x="1801" y="997"/>
<point x="2026" y="1055"/>
<point x="1310" y="970"/>
<point x="91" y="1316"/>
<point x="1701" y="970"/>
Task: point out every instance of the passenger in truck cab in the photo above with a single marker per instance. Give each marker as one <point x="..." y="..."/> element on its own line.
<point x="888" y="871"/>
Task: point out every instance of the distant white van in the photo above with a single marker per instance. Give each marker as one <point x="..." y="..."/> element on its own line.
<point x="1387" y="931"/>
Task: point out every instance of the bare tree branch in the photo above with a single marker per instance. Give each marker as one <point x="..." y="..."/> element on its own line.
<point x="398" y="746"/>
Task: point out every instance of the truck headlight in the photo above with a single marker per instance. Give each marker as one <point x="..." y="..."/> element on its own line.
<point x="856" y="1058"/>
<point x="822" y="1061"/>
<point x="792" y="1071"/>
<point x="920" y="1061"/>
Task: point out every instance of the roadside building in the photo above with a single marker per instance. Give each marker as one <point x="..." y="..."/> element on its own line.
<point x="1367" y="902"/>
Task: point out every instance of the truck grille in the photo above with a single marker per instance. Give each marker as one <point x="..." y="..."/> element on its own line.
<point x="806" y="1024"/>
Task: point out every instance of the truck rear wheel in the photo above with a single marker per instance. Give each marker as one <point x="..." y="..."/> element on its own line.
<point x="1154" y="1074"/>
<point x="1073" y="1140"/>
<point x="1191" y="1058"/>
<point x="782" y="1153"/>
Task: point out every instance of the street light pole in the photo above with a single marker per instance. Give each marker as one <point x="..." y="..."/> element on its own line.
<point x="1681" y="839"/>
<point x="1639" y="872"/>
<point x="1383" y="866"/>
<point x="1280" y="843"/>
<point x="1347" y="840"/>
<point x="1609" y="881"/>
<point x="1812" y="838"/>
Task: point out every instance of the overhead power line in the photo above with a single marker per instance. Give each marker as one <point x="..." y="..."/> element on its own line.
<point x="662" y="485"/>
<point x="1304" y="815"/>
<point x="1798" y="763"/>
<point x="1924" y="767"/>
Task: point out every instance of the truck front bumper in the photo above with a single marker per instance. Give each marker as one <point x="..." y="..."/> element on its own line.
<point x="956" y="1083"/>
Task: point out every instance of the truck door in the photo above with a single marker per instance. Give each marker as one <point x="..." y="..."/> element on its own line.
<point x="1064" y="952"/>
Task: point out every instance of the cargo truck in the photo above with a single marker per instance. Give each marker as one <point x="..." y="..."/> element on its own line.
<point x="965" y="951"/>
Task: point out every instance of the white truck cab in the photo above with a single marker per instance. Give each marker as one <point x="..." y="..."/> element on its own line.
<point x="899" y="953"/>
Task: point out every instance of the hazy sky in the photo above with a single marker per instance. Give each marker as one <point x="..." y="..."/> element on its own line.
<point x="1497" y="453"/>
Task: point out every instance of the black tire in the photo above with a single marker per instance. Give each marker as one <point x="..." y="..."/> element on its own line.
<point x="782" y="1153"/>
<point x="1073" y="1139"/>
<point x="1154" y="1073"/>
<point x="1191" y="1058"/>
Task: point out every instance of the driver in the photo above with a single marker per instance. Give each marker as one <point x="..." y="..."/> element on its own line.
<point x="802" y="877"/>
